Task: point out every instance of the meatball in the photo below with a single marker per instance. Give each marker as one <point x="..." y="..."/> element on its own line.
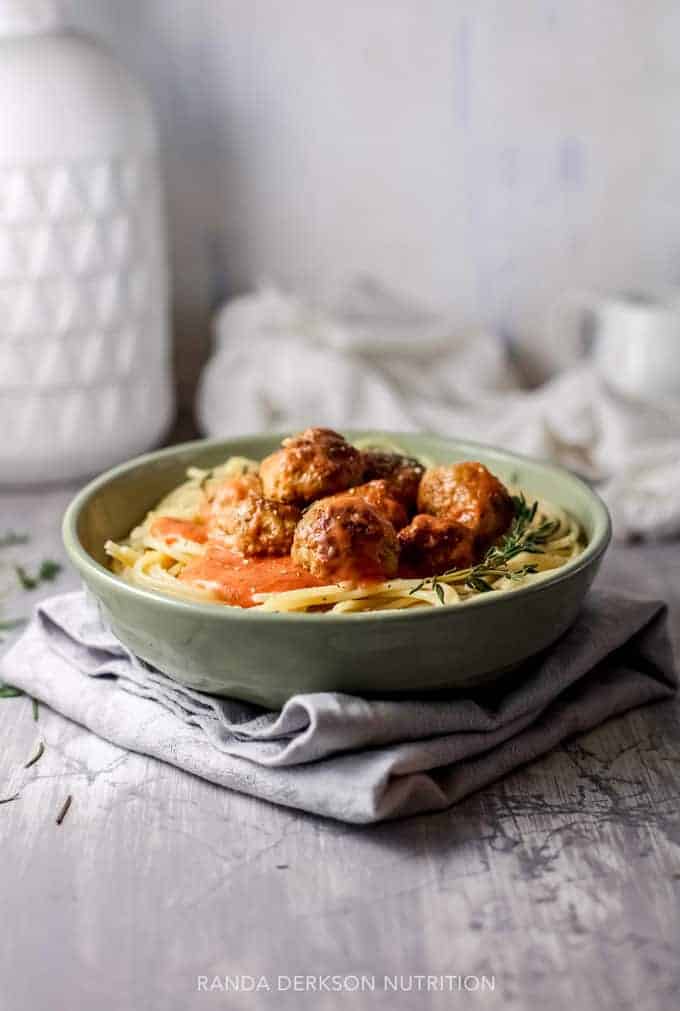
<point x="470" y="494"/>
<point x="233" y="490"/>
<point x="431" y="545"/>
<point x="256" y="526"/>
<point x="402" y="472"/>
<point x="380" y="495"/>
<point x="316" y="463"/>
<point x="344" y="537"/>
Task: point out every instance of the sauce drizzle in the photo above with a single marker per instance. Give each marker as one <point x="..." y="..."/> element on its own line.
<point x="236" y="579"/>
<point x="168" y="529"/>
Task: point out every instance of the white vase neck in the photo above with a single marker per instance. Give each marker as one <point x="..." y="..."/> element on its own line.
<point x="29" y="17"/>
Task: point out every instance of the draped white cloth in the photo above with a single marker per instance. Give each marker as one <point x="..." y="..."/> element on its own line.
<point x="373" y="360"/>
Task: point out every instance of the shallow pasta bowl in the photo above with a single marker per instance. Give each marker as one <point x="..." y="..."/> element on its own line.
<point x="268" y="657"/>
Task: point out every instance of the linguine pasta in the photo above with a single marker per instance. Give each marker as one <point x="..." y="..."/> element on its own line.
<point x="542" y="538"/>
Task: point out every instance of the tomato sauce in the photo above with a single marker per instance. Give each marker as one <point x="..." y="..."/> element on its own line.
<point x="169" y="530"/>
<point x="237" y="578"/>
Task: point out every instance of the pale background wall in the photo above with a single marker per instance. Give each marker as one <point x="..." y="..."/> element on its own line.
<point x="484" y="155"/>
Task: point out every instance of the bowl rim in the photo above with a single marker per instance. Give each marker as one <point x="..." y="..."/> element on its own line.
<point x="85" y="563"/>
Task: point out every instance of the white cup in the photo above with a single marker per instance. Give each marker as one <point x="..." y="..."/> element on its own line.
<point x="635" y="342"/>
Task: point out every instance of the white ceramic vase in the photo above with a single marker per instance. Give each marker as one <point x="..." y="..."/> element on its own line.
<point x="84" y="333"/>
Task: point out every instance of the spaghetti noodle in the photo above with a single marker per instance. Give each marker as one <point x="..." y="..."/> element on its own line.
<point x="175" y="551"/>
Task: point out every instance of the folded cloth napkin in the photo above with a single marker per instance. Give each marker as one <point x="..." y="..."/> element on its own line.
<point x="373" y="360"/>
<point x="337" y="755"/>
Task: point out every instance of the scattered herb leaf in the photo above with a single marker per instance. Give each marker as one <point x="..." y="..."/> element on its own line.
<point x="64" y="810"/>
<point x="9" y="691"/>
<point x="36" y="758"/>
<point x="6" y="800"/>
<point x="34" y="704"/>
<point x="47" y="572"/>
<point x="11" y="540"/>
<point x="28" y="582"/>
<point x="439" y="590"/>
<point x="11" y="623"/>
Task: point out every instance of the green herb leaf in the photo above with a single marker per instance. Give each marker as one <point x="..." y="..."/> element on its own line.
<point x="439" y="590"/>
<point x="28" y="582"/>
<point x="11" y="624"/>
<point x="48" y="571"/>
<point x="9" y="691"/>
<point x="36" y="758"/>
<point x="11" y="540"/>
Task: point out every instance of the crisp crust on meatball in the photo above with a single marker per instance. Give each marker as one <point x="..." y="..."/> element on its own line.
<point x="472" y="495"/>
<point x="344" y="537"/>
<point x="402" y="472"/>
<point x="431" y="545"/>
<point x="256" y="526"/>
<point x="381" y="495"/>
<point x="316" y="463"/>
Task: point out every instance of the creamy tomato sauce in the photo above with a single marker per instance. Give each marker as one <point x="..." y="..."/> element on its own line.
<point x="235" y="579"/>
<point x="168" y="529"/>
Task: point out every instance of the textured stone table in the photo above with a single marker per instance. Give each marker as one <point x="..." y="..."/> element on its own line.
<point x="562" y="882"/>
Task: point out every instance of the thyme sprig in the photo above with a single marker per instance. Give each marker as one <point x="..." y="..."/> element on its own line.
<point x="521" y="538"/>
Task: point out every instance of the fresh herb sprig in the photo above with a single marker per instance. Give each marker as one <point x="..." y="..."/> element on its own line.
<point x="520" y="538"/>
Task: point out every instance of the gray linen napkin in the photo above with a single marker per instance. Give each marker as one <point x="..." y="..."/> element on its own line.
<point x="338" y="755"/>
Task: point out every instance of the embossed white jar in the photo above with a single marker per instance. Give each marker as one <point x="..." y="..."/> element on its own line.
<point x="84" y="332"/>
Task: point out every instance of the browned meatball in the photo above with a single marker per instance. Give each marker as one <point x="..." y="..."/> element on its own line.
<point x="316" y="463"/>
<point x="255" y="526"/>
<point x="470" y="494"/>
<point x="380" y="495"/>
<point x="234" y="489"/>
<point x="343" y="537"/>
<point x="431" y="545"/>
<point x="402" y="472"/>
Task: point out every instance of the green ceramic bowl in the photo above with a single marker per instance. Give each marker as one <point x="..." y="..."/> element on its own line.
<point x="267" y="658"/>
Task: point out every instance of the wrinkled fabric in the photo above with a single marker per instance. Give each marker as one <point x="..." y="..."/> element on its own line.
<point x="376" y="361"/>
<point x="345" y="757"/>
